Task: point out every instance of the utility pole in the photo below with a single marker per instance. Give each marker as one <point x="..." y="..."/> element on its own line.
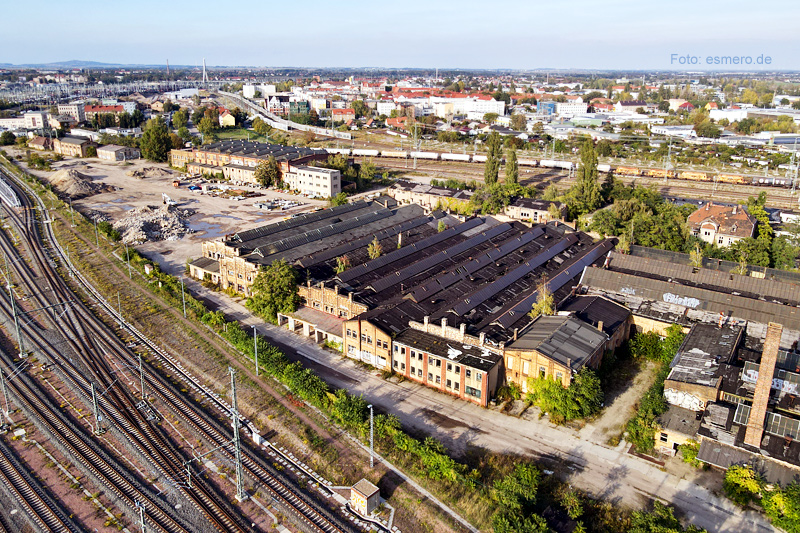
<point x="241" y="495"/>
<point x="371" y="441"/>
<point x="255" y="348"/>
<point x="5" y="392"/>
<point x="119" y="310"/>
<point x="668" y="161"/>
<point x="141" y="378"/>
<point x="140" y="506"/>
<point x="97" y="416"/>
<point x="183" y="297"/>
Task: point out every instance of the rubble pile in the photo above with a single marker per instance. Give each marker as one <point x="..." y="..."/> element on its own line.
<point x="149" y="172"/>
<point x="75" y="184"/>
<point x="148" y="223"/>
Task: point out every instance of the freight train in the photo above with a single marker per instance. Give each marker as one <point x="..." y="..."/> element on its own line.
<point x="624" y="171"/>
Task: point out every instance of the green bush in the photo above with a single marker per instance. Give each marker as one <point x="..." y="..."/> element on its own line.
<point x="581" y="399"/>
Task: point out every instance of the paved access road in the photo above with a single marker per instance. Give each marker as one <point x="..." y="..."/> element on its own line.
<point x="610" y="474"/>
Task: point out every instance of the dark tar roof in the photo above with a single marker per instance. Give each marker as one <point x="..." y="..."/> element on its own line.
<point x="680" y="420"/>
<point x="260" y="150"/>
<point x="596" y="309"/>
<point x="565" y="339"/>
<point x="471" y="356"/>
<point x="724" y="456"/>
<point x="206" y="263"/>
<point x="531" y="203"/>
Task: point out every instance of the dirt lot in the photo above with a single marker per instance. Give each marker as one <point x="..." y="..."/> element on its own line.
<point x="213" y="216"/>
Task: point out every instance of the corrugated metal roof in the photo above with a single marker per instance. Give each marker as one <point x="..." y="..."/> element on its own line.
<point x="397" y="255"/>
<point x="431" y="261"/>
<point x="338" y="251"/>
<point x="269" y="229"/>
<point x="474" y="299"/>
<point x="512" y="313"/>
<point x="320" y="233"/>
<point x="443" y="281"/>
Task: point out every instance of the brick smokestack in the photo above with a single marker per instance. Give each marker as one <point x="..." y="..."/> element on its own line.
<point x="758" y="411"/>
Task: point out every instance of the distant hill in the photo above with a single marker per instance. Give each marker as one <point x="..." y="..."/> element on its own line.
<point x="78" y="63"/>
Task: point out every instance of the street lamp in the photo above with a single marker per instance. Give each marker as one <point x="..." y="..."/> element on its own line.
<point x="371" y="441"/>
<point x="255" y="347"/>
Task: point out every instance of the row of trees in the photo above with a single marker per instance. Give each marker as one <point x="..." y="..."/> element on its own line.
<point x="744" y="486"/>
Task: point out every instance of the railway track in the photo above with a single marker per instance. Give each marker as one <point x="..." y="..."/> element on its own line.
<point x="116" y="405"/>
<point x="87" y="334"/>
<point x="41" y="508"/>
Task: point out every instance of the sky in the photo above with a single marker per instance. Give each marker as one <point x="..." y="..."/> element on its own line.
<point x="499" y="34"/>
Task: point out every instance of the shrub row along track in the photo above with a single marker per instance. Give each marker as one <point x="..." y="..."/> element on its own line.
<point x="87" y="336"/>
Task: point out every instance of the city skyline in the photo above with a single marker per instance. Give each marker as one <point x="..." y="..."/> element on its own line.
<point x="620" y="35"/>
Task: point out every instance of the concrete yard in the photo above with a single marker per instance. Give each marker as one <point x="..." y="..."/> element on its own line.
<point x="214" y="216"/>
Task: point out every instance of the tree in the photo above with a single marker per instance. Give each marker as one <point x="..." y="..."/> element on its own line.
<point x="519" y="122"/>
<point x="742" y="484"/>
<point x="7" y="138"/>
<point x="544" y="304"/>
<point x="441" y="226"/>
<point x="180" y="119"/>
<point x="517" y="490"/>
<point x="584" y="197"/>
<point x="137" y="118"/>
<point x="582" y="398"/>
<point x="554" y="212"/>
<point x="696" y="256"/>
<point x="374" y="250"/>
<point x="91" y="151"/>
<point x="339" y="199"/>
<point x="155" y="143"/>
<point x="490" y="118"/>
<point x="169" y="106"/>
<point x="274" y="291"/>
<point x="708" y="129"/>
<point x="660" y="520"/>
<point x="512" y="168"/>
<point x="208" y="125"/>
<point x="183" y="133"/>
<point x="177" y="142"/>
<point x="366" y="173"/>
<point x="342" y="264"/>
<point x="361" y="109"/>
<point x="268" y="173"/>
<point x="492" y="165"/>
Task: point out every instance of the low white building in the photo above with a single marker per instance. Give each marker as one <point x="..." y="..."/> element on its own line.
<point x="673" y="131"/>
<point x="571" y="108"/>
<point x="731" y="115"/>
<point x="314" y="181"/>
<point x="114" y="152"/>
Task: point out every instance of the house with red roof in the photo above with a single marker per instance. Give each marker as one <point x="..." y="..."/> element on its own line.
<point x="721" y="225"/>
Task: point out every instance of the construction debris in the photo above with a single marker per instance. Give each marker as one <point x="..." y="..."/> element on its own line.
<point x="150" y="172"/>
<point x="75" y="184"/>
<point x="148" y="223"/>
